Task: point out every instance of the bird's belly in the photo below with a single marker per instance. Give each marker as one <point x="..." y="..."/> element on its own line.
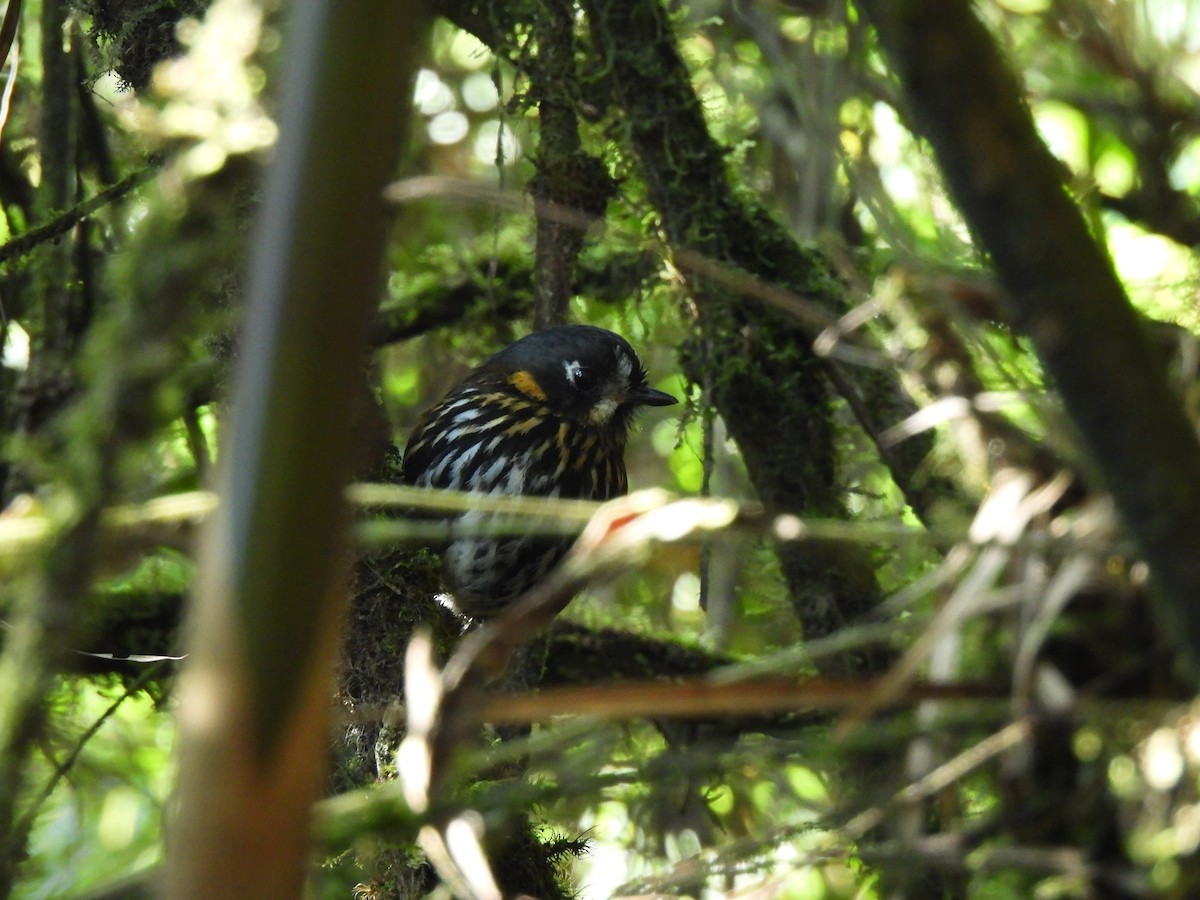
<point x="485" y="573"/>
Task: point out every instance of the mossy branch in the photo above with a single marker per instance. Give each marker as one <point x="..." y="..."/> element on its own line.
<point x="766" y="381"/>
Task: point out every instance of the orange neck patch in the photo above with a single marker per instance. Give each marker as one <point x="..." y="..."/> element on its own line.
<point x="524" y="382"/>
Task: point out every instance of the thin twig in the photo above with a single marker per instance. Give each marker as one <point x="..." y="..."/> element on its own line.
<point x="691" y="698"/>
<point x="25" y="824"/>
<point x="20" y="246"/>
<point x="704" y="698"/>
<point x="14" y="65"/>
<point x="8" y="30"/>
<point x="735" y="279"/>
<point x="950" y="772"/>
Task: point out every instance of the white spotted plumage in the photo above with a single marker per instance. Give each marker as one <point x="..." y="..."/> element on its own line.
<point x="547" y="416"/>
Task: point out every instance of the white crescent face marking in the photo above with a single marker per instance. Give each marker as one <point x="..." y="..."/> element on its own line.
<point x="624" y="365"/>
<point x="570" y="367"/>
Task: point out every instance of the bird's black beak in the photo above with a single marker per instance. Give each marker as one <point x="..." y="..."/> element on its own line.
<point x="648" y="396"/>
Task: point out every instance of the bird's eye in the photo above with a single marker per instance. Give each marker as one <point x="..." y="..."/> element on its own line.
<point x="581" y="379"/>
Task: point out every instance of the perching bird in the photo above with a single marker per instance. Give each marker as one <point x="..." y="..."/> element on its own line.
<point x="547" y="416"/>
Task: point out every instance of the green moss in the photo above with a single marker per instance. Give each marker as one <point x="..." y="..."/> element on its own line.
<point x="133" y="36"/>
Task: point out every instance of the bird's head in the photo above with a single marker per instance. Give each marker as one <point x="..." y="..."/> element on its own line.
<point x="579" y="372"/>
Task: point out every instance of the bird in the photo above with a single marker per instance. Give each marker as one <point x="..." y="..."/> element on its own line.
<point x="547" y="416"/>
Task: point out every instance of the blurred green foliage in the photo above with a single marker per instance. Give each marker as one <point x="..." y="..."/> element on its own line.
<point x="813" y="126"/>
<point x="105" y="818"/>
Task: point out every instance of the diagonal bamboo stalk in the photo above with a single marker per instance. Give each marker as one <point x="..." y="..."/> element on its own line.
<point x="253" y="702"/>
